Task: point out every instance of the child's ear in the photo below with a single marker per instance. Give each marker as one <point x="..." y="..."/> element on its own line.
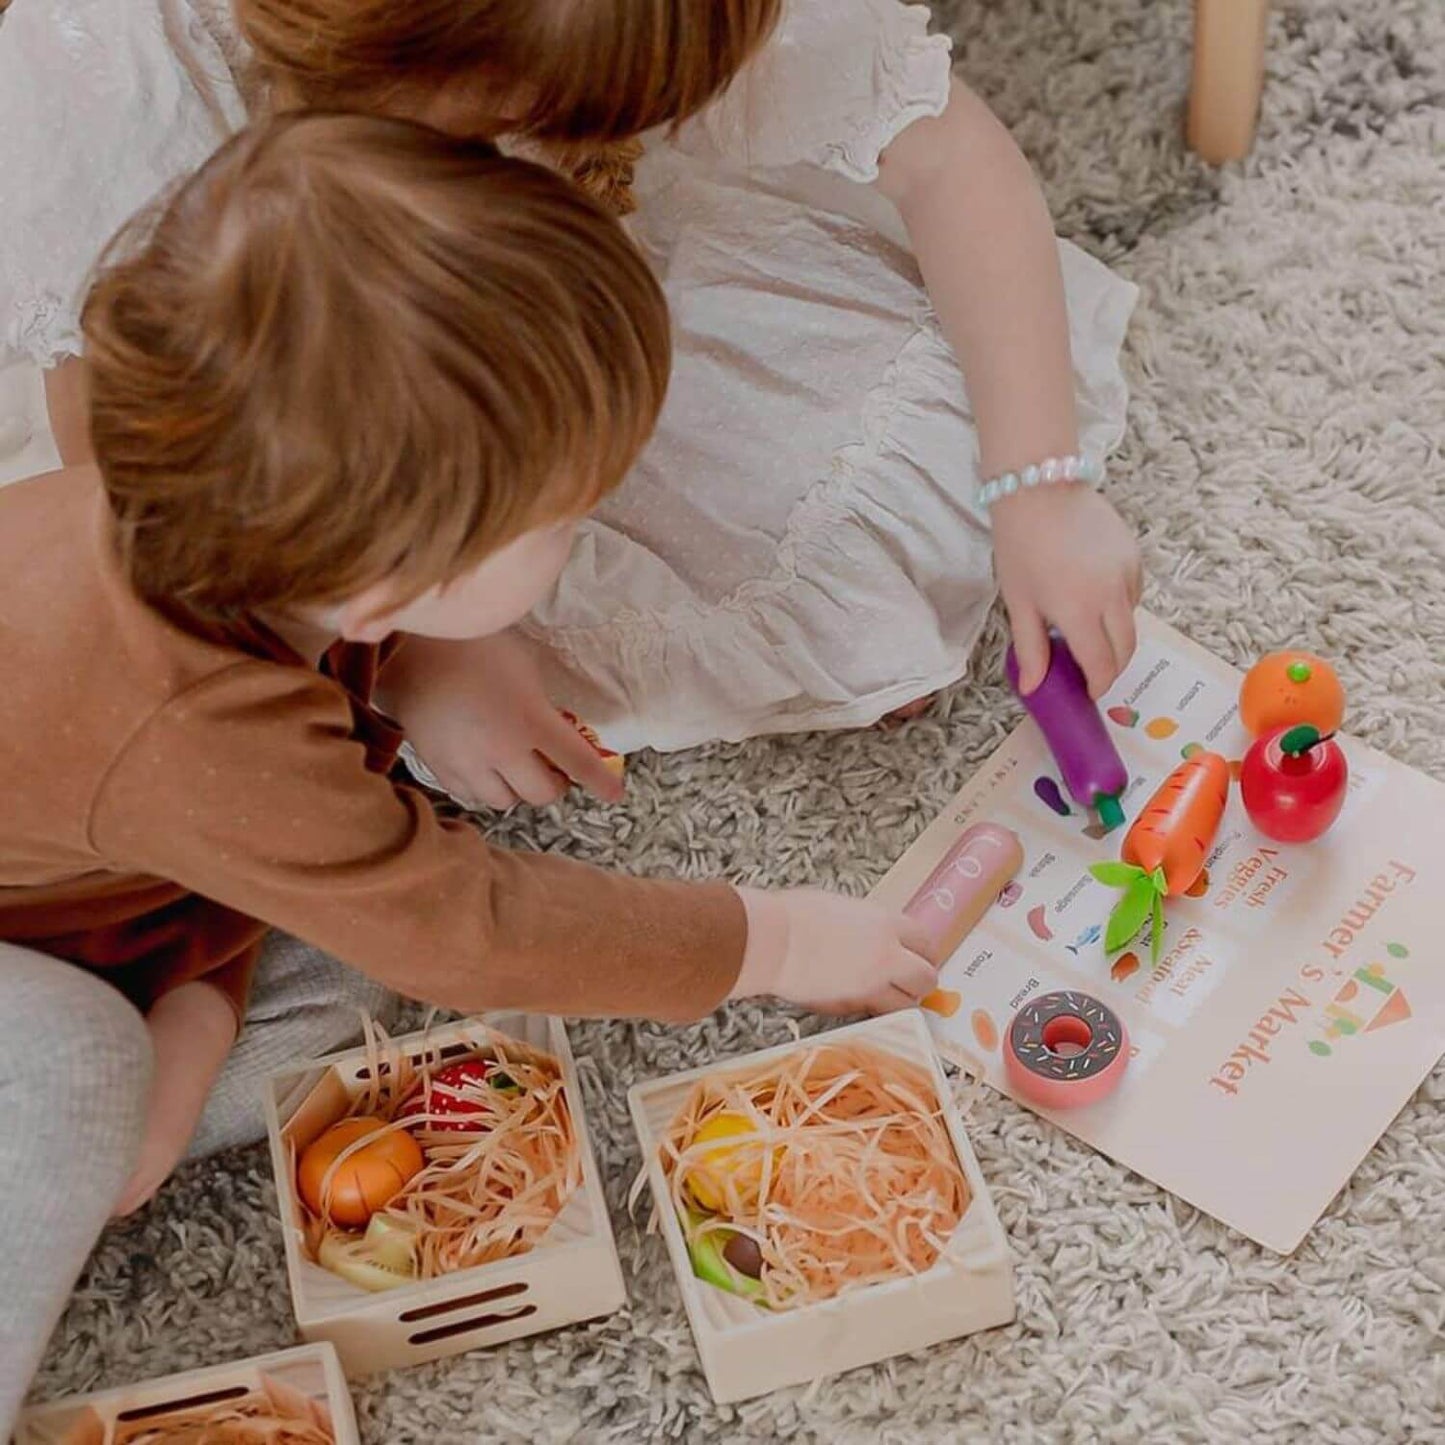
<point x="370" y="616"/>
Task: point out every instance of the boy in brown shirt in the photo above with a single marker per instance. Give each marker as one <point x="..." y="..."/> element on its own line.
<point x="352" y="389"/>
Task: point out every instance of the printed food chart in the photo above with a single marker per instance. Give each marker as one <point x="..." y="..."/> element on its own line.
<point x="1299" y="997"/>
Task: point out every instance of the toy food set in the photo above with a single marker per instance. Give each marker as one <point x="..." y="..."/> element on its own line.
<point x="296" y="1397"/>
<point x="821" y="1206"/>
<point x="1263" y="945"/>
<point x="615" y="763"/>
<point x="438" y="1193"/>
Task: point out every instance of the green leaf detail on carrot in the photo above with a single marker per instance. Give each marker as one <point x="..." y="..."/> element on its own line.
<point x="1116" y="875"/>
<point x="1130" y="913"/>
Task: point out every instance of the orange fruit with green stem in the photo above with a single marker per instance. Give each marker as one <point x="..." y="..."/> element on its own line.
<point x="1286" y="689"/>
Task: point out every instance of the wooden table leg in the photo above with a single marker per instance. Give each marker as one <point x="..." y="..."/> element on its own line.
<point x="1228" y="77"/>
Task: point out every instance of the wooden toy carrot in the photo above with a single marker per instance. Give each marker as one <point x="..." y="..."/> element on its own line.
<point x="1164" y="851"/>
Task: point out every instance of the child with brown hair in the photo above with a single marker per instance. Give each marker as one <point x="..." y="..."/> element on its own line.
<point x="845" y="233"/>
<point x="353" y="386"/>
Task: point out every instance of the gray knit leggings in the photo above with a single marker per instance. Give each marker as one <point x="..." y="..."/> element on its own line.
<point x="75" y="1065"/>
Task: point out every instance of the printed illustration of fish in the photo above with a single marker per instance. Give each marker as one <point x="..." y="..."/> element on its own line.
<point x="1092" y="934"/>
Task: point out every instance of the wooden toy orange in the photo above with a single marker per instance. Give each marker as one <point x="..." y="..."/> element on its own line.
<point x="1285" y="689"/>
<point x="364" y="1181"/>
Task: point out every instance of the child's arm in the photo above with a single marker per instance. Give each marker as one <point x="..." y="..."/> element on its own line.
<point x="985" y="244"/>
<point x="249" y="790"/>
<point x="192" y="1029"/>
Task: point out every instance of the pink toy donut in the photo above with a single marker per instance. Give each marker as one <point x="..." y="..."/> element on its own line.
<point x="1065" y="1049"/>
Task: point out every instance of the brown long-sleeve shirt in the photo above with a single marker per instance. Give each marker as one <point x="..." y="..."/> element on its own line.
<point x="165" y="797"/>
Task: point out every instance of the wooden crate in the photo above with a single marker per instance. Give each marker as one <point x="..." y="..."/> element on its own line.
<point x="572" y="1274"/>
<point x="747" y="1351"/>
<point x="306" y="1380"/>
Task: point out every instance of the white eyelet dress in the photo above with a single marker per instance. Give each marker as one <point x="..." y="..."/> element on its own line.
<point x="799" y="546"/>
<point x="103" y="104"/>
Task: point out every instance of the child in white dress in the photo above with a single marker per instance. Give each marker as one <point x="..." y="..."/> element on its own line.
<point x="804" y="544"/>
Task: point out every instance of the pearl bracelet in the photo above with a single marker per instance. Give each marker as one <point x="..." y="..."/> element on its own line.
<point x="1047" y="473"/>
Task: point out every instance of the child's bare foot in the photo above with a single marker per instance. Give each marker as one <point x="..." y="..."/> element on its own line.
<point x="907" y="712"/>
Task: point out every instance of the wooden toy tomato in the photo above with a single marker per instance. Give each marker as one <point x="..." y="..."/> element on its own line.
<point x="363" y="1182"/>
<point x="1286" y="688"/>
<point x="1293" y="783"/>
<point x="459" y="1099"/>
<point x="1164" y="851"/>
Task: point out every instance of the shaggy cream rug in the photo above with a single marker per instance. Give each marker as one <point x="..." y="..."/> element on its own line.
<point x="1284" y="466"/>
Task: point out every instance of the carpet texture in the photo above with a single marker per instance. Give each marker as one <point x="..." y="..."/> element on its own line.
<point x="1284" y="467"/>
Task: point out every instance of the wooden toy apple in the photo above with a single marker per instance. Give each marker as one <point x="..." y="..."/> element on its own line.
<point x="1293" y="783"/>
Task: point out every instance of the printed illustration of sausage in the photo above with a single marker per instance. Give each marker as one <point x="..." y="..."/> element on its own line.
<point x="1075" y="731"/>
<point x="1177" y="828"/>
<point x="963" y="887"/>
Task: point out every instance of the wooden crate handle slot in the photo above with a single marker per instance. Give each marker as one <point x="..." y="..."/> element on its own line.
<point x="451" y="1306"/>
<point x="189" y="1402"/>
<point x="461" y="1327"/>
<point x="423" y="1056"/>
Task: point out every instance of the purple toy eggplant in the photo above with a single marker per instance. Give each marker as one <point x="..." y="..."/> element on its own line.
<point x="1076" y="733"/>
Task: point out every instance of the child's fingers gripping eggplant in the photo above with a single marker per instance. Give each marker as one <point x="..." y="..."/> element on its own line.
<point x="1030" y="646"/>
<point x="1074" y="729"/>
<point x="1122" y="631"/>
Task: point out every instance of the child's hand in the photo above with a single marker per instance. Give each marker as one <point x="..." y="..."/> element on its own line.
<point x="162" y="1148"/>
<point x="192" y="1029"/>
<point x="832" y="954"/>
<point x="1065" y="558"/>
<point x="477" y="714"/>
